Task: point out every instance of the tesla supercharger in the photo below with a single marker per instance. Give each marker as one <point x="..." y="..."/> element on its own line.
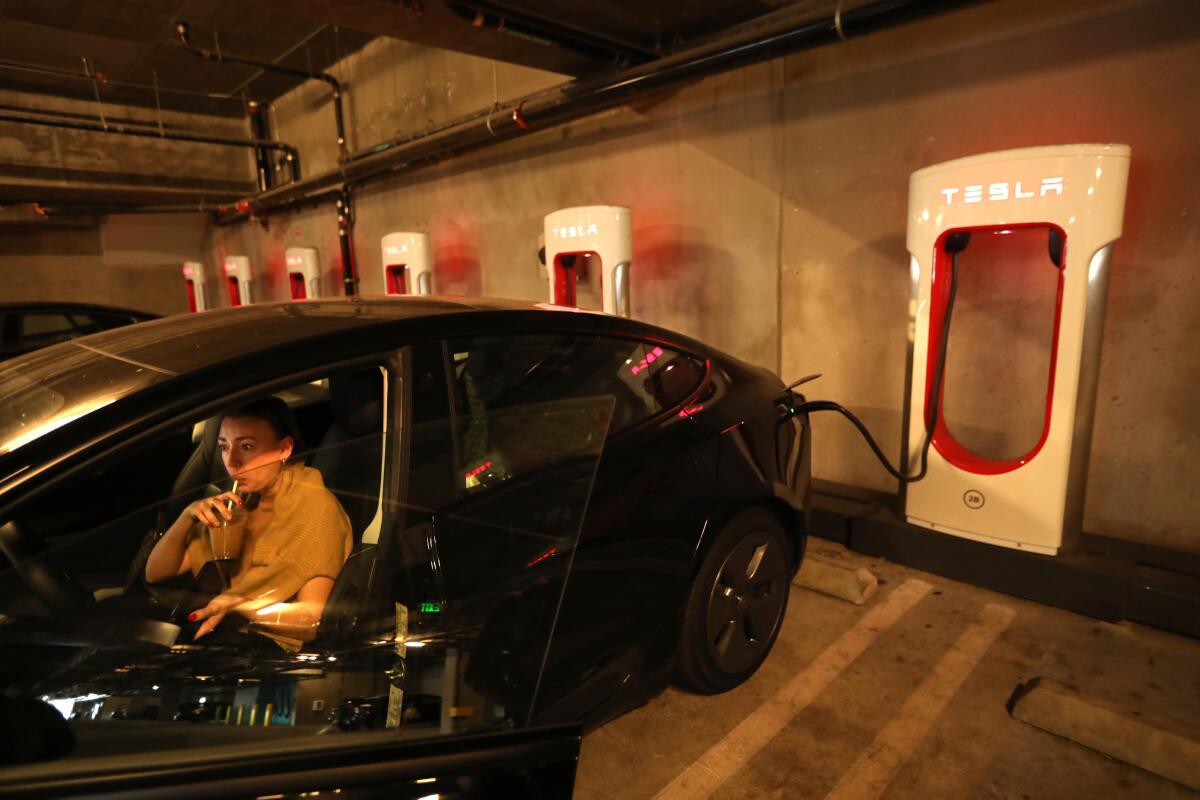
<point x="239" y="277"/>
<point x="1010" y="256"/>
<point x="197" y="286"/>
<point x="304" y="273"/>
<point x="407" y="265"/>
<point x="589" y="251"/>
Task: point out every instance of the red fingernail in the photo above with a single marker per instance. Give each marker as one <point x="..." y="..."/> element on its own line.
<point x="192" y="617"/>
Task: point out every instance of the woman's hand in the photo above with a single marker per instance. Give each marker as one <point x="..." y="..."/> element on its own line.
<point x="213" y="511"/>
<point x="213" y="613"/>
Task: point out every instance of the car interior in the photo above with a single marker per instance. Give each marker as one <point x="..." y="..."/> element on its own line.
<point x="86" y="542"/>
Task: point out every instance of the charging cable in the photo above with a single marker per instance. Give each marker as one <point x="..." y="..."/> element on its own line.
<point x="954" y="244"/>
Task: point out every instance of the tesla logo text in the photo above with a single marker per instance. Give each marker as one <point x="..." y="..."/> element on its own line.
<point x="394" y="250"/>
<point x="977" y="192"/>
<point x="650" y="358"/>
<point x="575" y="231"/>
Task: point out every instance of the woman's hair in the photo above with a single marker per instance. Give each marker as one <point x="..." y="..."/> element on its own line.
<point x="275" y="413"/>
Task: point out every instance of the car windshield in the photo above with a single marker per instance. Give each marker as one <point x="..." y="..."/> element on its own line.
<point x="51" y="387"/>
<point x="444" y="539"/>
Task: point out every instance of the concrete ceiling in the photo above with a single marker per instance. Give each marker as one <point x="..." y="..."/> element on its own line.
<point x="44" y="44"/>
<point x="133" y="44"/>
<point x="569" y="38"/>
<point x="128" y="52"/>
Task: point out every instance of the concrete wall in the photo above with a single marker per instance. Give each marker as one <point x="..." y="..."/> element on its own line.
<point x="862" y="117"/>
<point x="128" y="261"/>
<point x="44" y="164"/>
<point x="769" y="209"/>
<point x="700" y="169"/>
<point x="392" y="88"/>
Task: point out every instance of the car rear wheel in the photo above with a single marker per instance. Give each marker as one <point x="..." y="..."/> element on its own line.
<point x="736" y="604"/>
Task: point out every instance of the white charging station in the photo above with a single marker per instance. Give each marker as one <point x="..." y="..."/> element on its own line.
<point x="1071" y="199"/>
<point x="304" y="272"/>
<point x="407" y="263"/>
<point x="197" y="286"/>
<point x="239" y="278"/>
<point x="589" y="252"/>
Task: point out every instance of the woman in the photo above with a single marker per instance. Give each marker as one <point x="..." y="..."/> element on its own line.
<point x="294" y="540"/>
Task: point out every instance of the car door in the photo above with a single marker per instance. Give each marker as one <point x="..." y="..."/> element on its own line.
<point x="511" y="427"/>
<point x="633" y="569"/>
<point x="496" y="496"/>
<point x="365" y="702"/>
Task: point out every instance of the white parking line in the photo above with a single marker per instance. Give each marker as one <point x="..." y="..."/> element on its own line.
<point x="738" y="746"/>
<point x="874" y="770"/>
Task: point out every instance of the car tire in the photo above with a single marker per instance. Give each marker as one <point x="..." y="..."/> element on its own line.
<point x="736" y="605"/>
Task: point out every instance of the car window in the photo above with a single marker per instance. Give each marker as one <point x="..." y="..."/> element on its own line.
<point x="85" y="324"/>
<point x="495" y="376"/>
<point x="124" y="649"/>
<point x="435" y="614"/>
<point x="483" y="571"/>
<point x="670" y="378"/>
<point x="104" y="320"/>
<point x="42" y="328"/>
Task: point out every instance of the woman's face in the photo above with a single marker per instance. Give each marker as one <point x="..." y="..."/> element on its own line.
<point x="252" y="453"/>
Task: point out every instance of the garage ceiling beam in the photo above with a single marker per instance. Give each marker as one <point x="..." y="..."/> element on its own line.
<point x="119" y="129"/>
<point x="216" y="55"/>
<point x="576" y="99"/>
<point x="590" y="44"/>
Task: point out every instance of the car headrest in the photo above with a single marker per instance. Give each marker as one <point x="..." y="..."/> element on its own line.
<point x="204" y="466"/>
<point x="357" y="400"/>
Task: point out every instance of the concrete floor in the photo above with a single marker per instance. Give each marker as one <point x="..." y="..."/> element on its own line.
<point x="903" y="697"/>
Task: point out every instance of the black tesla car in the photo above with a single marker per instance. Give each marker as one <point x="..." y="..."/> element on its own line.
<point x="25" y="327"/>
<point x="554" y="513"/>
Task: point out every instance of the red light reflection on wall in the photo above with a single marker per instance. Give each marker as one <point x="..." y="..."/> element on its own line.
<point x="687" y="412"/>
<point x="647" y="361"/>
<point x="484" y="467"/>
<point x="542" y="557"/>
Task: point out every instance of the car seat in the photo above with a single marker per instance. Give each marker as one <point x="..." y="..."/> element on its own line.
<point x="349" y="455"/>
<point x="350" y="460"/>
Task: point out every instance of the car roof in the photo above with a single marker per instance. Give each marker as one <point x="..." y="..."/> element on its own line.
<point x="188" y="342"/>
<point x="46" y="395"/>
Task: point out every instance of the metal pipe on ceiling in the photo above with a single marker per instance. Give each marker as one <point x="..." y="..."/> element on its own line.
<point x="76" y="116"/>
<point x="576" y="99"/>
<point x="554" y="33"/>
<point x="345" y="211"/>
<point x="77" y="209"/>
<point x="292" y="154"/>
<point x="56" y="72"/>
<point x="208" y="55"/>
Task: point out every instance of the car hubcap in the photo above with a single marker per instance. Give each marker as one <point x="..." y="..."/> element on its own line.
<point x="746" y="602"/>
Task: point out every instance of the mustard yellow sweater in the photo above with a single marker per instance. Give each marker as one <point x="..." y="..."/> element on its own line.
<point x="308" y="536"/>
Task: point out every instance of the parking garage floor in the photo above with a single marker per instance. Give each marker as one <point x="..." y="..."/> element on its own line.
<point x="902" y="697"/>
